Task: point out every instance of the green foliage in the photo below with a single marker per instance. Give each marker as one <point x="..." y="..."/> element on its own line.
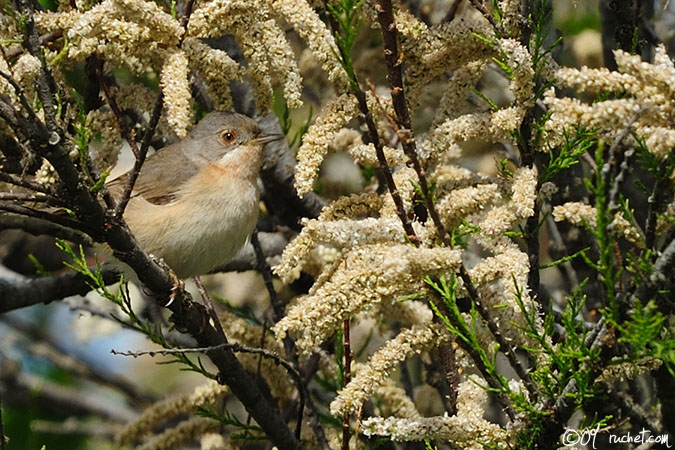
<point x="346" y="15"/>
<point x="569" y="154"/>
<point x="493" y="106"/>
<point x="643" y="326"/>
<point x="39" y="268"/>
<point x="244" y="431"/>
<point x="460" y="234"/>
<point x="565" y="259"/>
<point x="453" y="320"/>
<point x="609" y="272"/>
<point x="122" y="299"/>
<point x="283" y="113"/>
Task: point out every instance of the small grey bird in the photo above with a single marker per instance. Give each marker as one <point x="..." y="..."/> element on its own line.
<point x="195" y="202"/>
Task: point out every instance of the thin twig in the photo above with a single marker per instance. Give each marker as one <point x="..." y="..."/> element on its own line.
<point x="235" y="347"/>
<point x="37" y="198"/>
<point x="480" y="7"/>
<point x="385" y="16"/>
<point x="347" y="378"/>
<point x="209" y="305"/>
<point x="450" y="16"/>
<point x="62" y="220"/>
<point x="379" y="149"/>
<point x="140" y="156"/>
<point x="19" y="92"/>
<point x="289" y="347"/>
<point x="266" y="272"/>
<point x="610" y="167"/>
<point x="18" y="181"/>
<point x="3" y="440"/>
<point x="15" y="296"/>
<point x="142" y="153"/>
<point x="121" y="123"/>
<point x="37" y="226"/>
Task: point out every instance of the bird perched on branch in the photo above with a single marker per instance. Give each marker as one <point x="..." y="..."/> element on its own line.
<point x="195" y="202"/>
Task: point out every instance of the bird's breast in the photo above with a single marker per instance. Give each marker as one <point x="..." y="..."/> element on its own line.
<point x="213" y="215"/>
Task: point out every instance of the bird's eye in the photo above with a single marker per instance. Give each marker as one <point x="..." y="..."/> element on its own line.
<point x="228" y="137"/>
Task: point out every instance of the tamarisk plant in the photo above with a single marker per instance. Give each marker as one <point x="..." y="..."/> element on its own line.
<point x="498" y="298"/>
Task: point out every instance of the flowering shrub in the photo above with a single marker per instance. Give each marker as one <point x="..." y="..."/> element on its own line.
<point x="512" y="293"/>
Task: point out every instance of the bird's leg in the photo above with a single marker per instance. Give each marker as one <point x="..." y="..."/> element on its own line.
<point x="209" y="305"/>
<point x="178" y="285"/>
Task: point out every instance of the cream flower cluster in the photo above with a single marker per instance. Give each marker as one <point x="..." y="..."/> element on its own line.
<point x="648" y="94"/>
<point x="176" y="88"/>
<point x="366" y="276"/>
<point x="142" y="37"/>
<point x="319" y="137"/>
<point x="169" y="409"/>
<point x="375" y="372"/>
<point x="465" y="430"/>
<point x="581" y="214"/>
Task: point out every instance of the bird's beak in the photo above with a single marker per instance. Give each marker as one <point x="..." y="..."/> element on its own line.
<point x="264" y="138"/>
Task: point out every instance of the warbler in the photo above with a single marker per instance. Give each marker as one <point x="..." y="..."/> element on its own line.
<point x="195" y="202"/>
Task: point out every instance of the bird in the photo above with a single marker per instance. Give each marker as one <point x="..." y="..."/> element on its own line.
<point x="195" y="203"/>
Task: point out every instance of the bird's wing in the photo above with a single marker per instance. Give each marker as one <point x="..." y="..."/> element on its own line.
<point x="159" y="181"/>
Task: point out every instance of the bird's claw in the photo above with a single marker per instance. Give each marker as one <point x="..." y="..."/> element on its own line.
<point x="178" y="285"/>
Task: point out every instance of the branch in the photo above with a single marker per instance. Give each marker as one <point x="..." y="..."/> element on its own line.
<point x="48" y="396"/>
<point x="480" y="7"/>
<point x="385" y="16"/>
<point x="235" y="347"/>
<point x="37" y="226"/>
<point x="62" y="220"/>
<point x="565" y="403"/>
<point x="48" y="289"/>
<point x="35" y="198"/>
<point x="49" y="347"/>
<point x="289" y="347"/>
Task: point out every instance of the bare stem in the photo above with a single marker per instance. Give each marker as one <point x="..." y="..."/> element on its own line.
<point x="347" y="379"/>
<point x="385" y="16"/>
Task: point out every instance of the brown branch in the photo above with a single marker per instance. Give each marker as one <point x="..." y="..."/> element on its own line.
<point x="289" y="346"/>
<point x="62" y="220"/>
<point x="37" y="226"/>
<point x="480" y="7"/>
<point x="385" y="17"/>
<point x="45" y="40"/>
<point x="36" y="198"/>
<point x="347" y="378"/>
<point x="47" y="289"/>
<point x="49" y="347"/>
<point x="379" y="149"/>
<point x="18" y="181"/>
